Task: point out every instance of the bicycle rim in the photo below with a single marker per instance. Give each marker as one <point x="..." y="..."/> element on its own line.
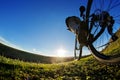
<point x="103" y="48"/>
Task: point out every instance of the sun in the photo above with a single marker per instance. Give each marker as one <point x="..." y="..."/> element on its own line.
<point x="61" y="52"/>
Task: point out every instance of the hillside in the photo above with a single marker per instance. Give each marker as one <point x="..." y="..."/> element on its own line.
<point x="86" y="69"/>
<point x="13" y="53"/>
<point x="115" y="46"/>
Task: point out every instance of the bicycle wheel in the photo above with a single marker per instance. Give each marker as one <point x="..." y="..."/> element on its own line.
<point x="102" y="46"/>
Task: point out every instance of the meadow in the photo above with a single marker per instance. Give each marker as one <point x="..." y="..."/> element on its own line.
<point x="85" y="69"/>
<point x="88" y="68"/>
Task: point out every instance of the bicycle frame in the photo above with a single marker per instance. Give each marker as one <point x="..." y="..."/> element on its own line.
<point x="82" y="30"/>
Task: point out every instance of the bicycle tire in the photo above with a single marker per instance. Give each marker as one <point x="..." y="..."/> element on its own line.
<point x="99" y="55"/>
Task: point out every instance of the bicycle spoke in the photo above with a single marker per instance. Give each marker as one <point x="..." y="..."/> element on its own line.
<point x="95" y="5"/>
<point x="103" y="23"/>
<point x="102" y="31"/>
<point x="117" y="16"/>
<point x="109" y="5"/>
<point x="104" y="45"/>
<point x="96" y="30"/>
<point x="118" y="4"/>
<point x="101" y="4"/>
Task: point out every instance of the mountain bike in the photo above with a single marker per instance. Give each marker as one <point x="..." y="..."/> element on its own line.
<point x="96" y="28"/>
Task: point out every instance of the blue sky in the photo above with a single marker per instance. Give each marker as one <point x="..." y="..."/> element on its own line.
<point x="38" y="25"/>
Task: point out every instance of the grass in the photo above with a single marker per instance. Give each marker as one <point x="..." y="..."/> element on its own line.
<point x="114" y="47"/>
<point x="87" y="68"/>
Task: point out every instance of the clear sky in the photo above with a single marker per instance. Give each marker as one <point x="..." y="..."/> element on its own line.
<point x="38" y="25"/>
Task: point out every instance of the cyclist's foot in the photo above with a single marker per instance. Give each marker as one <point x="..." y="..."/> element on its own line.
<point x="114" y="37"/>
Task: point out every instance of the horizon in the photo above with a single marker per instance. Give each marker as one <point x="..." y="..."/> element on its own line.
<point x="39" y="25"/>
